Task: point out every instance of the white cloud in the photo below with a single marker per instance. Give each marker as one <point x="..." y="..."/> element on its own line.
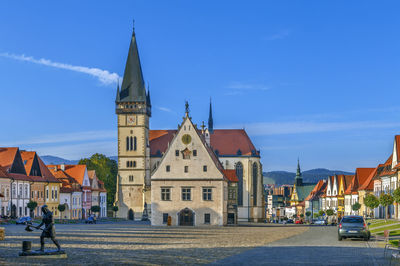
<point x="237" y="88"/>
<point x="279" y="35"/>
<point x="280" y="128"/>
<point x="104" y="76"/>
<point x="165" y="109"/>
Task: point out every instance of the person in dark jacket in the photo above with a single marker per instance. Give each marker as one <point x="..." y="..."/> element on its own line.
<point x="49" y="230"/>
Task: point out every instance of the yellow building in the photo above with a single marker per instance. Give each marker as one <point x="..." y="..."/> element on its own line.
<point x="52" y="195"/>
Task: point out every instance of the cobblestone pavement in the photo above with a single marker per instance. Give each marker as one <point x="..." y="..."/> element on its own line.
<point x="317" y="246"/>
<point x="131" y="243"/>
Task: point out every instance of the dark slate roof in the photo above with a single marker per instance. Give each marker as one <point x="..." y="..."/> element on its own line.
<point x="304" y="191"/>
<point x="132" y="89"/>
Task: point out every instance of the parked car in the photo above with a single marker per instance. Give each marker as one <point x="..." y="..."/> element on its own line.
<point x="290" y="221"/>
<point x="299" y="222"/>
<point x="24" y="220"/>
<point x="90" y="220"/>
<point x="353" y="226"/>
<point x="320" y="222"/>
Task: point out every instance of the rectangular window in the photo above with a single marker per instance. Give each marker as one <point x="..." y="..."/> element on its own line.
<point x="194" y="152"/>
<point x="55" y="193"/>
<point x="52" y="193"/>
<point x="207" y="193"/>
<point x="204" y="168"/>
<point x="47" y="193"/>
<point x="33" y="195"/>
<point x="207" y="218"/>
<point x="167" y="168"/>
<point x="176" y="152"/>
<point x="186" y="193"/>
<point x="165" y="194"/>
<point x="164" y="218"/>
<point x="20" y="191"/>
<point x="186" y="169"/>
<point x="131" y="178"/>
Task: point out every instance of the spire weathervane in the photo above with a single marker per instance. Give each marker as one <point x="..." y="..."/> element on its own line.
<point x="187" y="108"/>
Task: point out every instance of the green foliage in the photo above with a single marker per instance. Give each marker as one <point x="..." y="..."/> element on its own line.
<point x="329" y="212"/>
<point x="396" y="195"/>
<point x="356" y="206"/>
<point x="32" y="205"/>
<point x="316" y="215"/>
<point x="106" y="170"/>
<point x="308" y="213"/>
<point x="95" y="208"/>
<point x="321" y="213"/>
<point x="301" y="215"/>
<point x="61" y="207"/>
<point x="371" y="201"/>
<point x="386" y="200"/>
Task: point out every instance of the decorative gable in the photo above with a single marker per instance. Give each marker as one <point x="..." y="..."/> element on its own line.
<point x="188" y="157"/>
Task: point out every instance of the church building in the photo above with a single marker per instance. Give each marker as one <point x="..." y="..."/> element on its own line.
<point x="195" y="176"/>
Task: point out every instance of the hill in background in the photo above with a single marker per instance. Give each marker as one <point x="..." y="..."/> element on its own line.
<point x="309" y="176"/>
<point x="49" y="159"/>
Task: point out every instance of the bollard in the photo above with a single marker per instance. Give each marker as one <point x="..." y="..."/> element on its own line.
<point x="26" y="246"/>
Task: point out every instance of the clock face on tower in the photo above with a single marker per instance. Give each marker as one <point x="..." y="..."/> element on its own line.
<point x="130" y="120"/>
<point x="186" y="139"/>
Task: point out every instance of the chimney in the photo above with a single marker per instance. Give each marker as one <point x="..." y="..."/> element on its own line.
<point x="62" y="167"/>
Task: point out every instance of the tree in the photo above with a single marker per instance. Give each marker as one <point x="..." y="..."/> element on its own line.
<point x="308" y="214"/>
<point x="356" y="206"/>
<point x="329" y="212"/>
<point x="316" y="215"/>
<point x="106" y="170"/>
<point x="95" y="208"/>
<point x="385" y="200"/>
<point x="371" y="201"/>
<point x="115" y="209"/>
<point x="321" y="213"/>
<point x="32" y="206"/>
<point x="61" y="208"/>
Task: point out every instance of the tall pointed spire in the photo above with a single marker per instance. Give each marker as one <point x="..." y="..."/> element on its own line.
<point x="132" y="88"/>
<point x="148" y="101"/>
<point x="210" y="120"/>
<point x="298" y="178"/>
<point x="117" y="99"/>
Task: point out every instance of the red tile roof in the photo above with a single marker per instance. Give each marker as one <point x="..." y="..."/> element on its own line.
<point x="369" y="184"/>
<point x="225" y="141"/>
<point x="46" y="176"/>
<point x="397" y="141"/>
<point x="317" y="191"/>
<point x="7" y="156"/>
<point x="231" y="175"/>
<point x="75" y="171"/>
<point x="387" y="168"/>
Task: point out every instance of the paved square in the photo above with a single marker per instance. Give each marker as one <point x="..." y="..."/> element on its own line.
<point x="134" y="243"/>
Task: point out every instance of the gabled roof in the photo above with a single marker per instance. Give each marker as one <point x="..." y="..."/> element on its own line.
<point x="69" y="184"/>
<point x="75" y="171"/>
<point x="304" y="191"/>
<point x="7" y="156"/>
<point x="317" y="191"/>
<point x="28" y="158"/>
<point x="386" y="169"/>
<point x="369" y="184"/>
<point x="224" y="142"/>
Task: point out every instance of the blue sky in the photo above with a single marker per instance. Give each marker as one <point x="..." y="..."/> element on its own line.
<point x="312" y="79"/>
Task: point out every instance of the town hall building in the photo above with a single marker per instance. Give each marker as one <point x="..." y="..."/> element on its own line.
<point x="193" y="175"/>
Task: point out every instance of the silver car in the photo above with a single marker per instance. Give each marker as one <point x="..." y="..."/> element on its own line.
<point x="353" y="227"/>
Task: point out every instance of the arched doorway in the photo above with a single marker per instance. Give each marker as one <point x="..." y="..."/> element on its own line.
<point x="131" y="215"/>
<point x="186" y="217"/>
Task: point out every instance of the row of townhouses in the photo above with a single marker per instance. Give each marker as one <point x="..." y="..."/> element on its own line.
<point x="24" y="177"/>
<point x="340" y="192"/>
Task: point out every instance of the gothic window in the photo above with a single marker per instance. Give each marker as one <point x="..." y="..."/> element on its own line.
<point x="131" y="178"/>
<point x="127" y="143"/>
<point x="134" y="163"/>
<point x="134" y="143"/>
<point x="127" y="163"/>
<point x="255" y="175"/>
<point x="239" y="174"/>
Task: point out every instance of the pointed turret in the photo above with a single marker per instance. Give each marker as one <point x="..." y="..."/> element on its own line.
<point x="148" y="101"/>
<point x="132" y="88"/>
<point x="117" y="99"/>
<point x="298" y="178"/>
<point x="210" y="120"/>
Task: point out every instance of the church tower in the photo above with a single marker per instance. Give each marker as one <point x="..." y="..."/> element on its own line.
<point x="133" y="109"/>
